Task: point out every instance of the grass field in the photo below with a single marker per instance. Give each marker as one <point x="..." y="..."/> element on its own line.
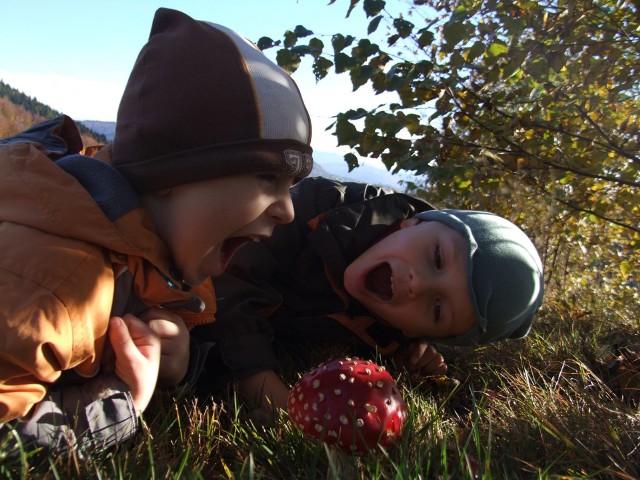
<point x="561" y="404"/>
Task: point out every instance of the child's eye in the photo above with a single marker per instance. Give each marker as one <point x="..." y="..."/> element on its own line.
<point x="436" y="310"/>
<point x="277" y="183"/>
<point x="436" y="257"/>
<point x="269" y="178"/>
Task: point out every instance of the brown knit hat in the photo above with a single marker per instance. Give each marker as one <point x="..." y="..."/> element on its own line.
<point x="203" y="102"/>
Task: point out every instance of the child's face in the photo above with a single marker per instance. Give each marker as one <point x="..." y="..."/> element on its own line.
<point x="415" y="280"/>
<point x="205" y="223"/>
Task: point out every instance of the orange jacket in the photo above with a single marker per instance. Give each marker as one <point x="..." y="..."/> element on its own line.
<point x="60" y="258"/>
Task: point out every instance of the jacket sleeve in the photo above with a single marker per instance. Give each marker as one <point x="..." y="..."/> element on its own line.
<point x="36" y="400"/>
<point x="241" y="337"/>
<point x="88" y="418"/>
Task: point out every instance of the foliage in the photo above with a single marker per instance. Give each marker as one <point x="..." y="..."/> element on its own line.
<point x="39" y="111"/>
<point x="527" y="108"/>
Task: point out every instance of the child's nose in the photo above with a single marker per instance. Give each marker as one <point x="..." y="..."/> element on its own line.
<point x="419" y="283"/>
<point x="282" y="209"/>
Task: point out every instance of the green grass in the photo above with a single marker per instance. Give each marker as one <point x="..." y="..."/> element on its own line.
<point x="547" y="407"/>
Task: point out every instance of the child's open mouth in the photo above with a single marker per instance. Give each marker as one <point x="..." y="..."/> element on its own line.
<point x="230" y="247"/>
<point x="379" y="281"/>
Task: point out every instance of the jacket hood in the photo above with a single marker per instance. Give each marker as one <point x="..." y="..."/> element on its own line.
<point x="39" y="192"/>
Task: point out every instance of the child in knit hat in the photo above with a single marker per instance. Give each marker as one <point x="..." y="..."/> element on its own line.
<point x="105" y="263"/>
<point x="379" y="271"/>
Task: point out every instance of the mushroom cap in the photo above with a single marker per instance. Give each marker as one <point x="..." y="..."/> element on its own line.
<point x="348" y="402"/>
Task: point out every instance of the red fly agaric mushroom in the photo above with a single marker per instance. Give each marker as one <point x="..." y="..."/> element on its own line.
<point x="351" y="403"/>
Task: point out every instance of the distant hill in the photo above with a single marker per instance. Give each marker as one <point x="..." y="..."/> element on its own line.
<point x="19" y="111"/>
<point x="108" y="129"/>
<point x="338" y="169"/>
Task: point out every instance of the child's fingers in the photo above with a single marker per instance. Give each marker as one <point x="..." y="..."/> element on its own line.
<point x="417" y="354"/>
<point x="427" y="359"/>
<point x="164" y="328"/>
<point x="156" y="313"/>
<point x="134" y="340"/>
<point x="433" y="365"/>
<point x="141" y="334"/>
<point x="120" y="338"/>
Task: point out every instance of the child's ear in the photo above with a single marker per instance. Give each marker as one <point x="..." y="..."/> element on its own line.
<point x="409" y="222"/>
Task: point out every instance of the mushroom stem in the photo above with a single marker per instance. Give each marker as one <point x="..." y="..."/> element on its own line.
<point x="341" y="466"/>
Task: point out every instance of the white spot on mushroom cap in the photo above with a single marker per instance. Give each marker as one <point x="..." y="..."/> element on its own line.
<point x="370" y="408"/>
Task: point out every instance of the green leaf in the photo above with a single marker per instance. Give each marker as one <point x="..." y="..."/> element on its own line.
<point x="361" y="75"/>
<point x="300" y="50"/>
<point x="288" y="60"/>
<point x="302" y="32"/>
<point x="340" y="42"/>
<point x="373" y="24"/>
<point x="355" y="114"/>
<point x="373" y="7"/>
<point x="459" y="14"/>
<point x="425" y="37"/>
<point x="403" y="27"/>
<point x="454" y="33"/>
<point x="316" y="46"/>
<point x="321" y="67"/>
<point x="265" y="42"/>
<point x="474" y="51"/>
<point x="625" y="267"/>
<point x="344" y="63"/>
<point x="496" y="49"/>
<point x="346" y="132"/>
<point x="352" y="161"/>
<point x="290" y="39"/>
<point x="352" y="5"/>
<point x="364" y="50"/>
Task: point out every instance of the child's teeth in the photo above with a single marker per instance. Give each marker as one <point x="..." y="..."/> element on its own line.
<point x="392" y="290"/>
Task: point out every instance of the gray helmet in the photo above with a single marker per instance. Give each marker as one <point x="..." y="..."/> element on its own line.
<point x="504" y="275"/>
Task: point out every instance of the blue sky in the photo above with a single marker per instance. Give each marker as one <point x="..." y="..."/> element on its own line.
<point x="76" y="55"/>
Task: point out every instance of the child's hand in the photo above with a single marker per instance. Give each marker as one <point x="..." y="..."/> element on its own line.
<point x="265" y="391"/>
<point x="420" y="357"/>
<point x="137" y="352"/>
<point x="174" y="340"/>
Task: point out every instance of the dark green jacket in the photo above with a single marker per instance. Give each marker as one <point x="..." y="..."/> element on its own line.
<point x="290" y="287"/>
